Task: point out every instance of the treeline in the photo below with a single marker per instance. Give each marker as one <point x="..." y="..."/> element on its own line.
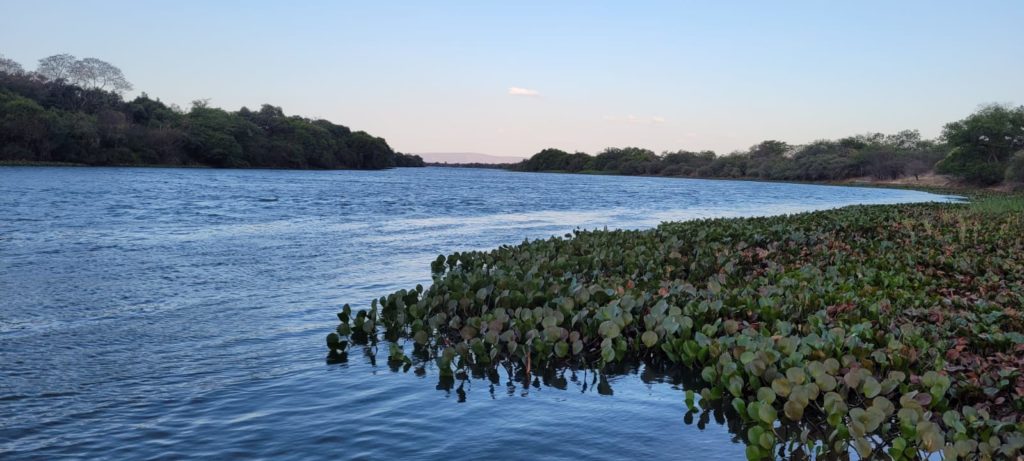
<point x="985" y="148"/>
<point x="72" y="111"/>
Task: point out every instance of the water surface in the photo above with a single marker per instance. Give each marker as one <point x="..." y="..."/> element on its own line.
<point x="170" y="313"/>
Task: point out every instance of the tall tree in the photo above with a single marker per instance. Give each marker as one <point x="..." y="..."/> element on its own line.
<point x="92" y="73"/>
<point x="983" y="143"/>
<point x="87" y="73"/>
<point x="57" y="67"/>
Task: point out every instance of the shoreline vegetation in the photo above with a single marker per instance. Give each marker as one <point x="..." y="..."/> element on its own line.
<point x="71" y="111"/>
<point x="985" y="149"/>
<point x="21" y="163"/>
<point x="896" y="331"/>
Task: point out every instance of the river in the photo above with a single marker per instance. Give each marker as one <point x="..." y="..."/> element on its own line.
<point x="181" y="313"/>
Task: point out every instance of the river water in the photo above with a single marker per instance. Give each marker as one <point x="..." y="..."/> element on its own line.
<point x="181" y="313"/>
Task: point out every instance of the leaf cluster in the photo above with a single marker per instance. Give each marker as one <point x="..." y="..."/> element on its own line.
<point x="843" y="322"/>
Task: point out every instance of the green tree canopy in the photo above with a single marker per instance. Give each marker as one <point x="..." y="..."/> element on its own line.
<point x="982" y="143"/>
<point x="71" y="110"/>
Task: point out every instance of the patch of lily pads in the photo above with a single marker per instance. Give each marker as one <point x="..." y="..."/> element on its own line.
<point x="890" y="331"/>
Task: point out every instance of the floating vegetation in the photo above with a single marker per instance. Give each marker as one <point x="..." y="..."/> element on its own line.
<point x="892" y="331"/>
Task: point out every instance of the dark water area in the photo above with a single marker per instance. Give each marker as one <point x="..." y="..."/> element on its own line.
<point x="181" y="313"/>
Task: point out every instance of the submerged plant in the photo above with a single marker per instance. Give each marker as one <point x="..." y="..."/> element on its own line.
<point x="888" y="330"/>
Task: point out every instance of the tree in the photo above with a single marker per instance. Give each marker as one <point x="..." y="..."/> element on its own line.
<point x="547" y="160"/>
<point x="10" y="66"/>
<point x="88" y="73"/>
<point x="881" y="162"/>
<point x="982" y="144"/>
<point x="904" y="140"/>
<point x="685" y="163"/>
<point x="151" y="113"/>
<point x="92" y="73"/>
<point x="23" y="128"/>
<point x="56" y="68"/>
<point x="614" y="159"/>
<point x="408" y="160"/>
<point x="374" y="151"/>
<point x="213" y="137"/>
<point x="917" y="167"/>
<point x="768" y="149"/>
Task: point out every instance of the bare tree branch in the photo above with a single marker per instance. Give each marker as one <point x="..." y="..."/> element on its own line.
<point x="56" y="67"/>
<point x="10" y="66"/>
<point x="88" y="73"/>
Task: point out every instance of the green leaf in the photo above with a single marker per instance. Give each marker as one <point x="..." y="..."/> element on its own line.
<point x="931" y="436"/>
<point x="735" y="385"/>
<point x="740" y="406"/>
<point x="870" y="387"/>
<point x="781" y="386"/>
<point x="793" y="410"/>
<point x="754" y="434"/>
<point x="796" y="375"/>
<point x="608" y="354"/>
<point x="561" y="349"/>
<point x="863" y="447"/>
<point x="608" y="329"/>
<point x="753" y="409"/>
<point x="816" y="369"/>
<point x="873" y="418"/>
<point x="709" y="374"/>
<point x="767" y="414"/>
<point x="649" y="338"/>
<point x="898" y="445"/>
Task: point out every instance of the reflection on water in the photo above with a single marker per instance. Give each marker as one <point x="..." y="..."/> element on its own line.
<point x="510" y="379"/>
<point x="180" y="313"/>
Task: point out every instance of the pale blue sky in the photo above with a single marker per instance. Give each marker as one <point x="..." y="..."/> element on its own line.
<point x="436" y="76"/>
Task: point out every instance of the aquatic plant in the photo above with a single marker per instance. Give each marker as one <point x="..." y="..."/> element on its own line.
<point x="889" y="330"/>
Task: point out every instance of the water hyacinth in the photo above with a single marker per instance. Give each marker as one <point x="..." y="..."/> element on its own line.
<point x="892" y="331"/>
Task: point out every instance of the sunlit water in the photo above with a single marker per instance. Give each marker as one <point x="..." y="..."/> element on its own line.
<point x="170" y="313"/>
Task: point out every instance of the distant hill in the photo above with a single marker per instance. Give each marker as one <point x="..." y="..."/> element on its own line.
<point x="467" y="157"/>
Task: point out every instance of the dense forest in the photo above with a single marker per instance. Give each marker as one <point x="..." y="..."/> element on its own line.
<point x="985" y="148"/>
<point x="72" y="110"/>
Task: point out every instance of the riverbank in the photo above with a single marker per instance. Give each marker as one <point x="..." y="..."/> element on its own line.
<point x="21" y="163"/>
<point x="881" y="329"/>
<point x="929" y="181"/>
<point x="932" y="181"/>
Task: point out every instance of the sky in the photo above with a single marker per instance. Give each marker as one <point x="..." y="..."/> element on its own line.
<point x="513" y="78"/>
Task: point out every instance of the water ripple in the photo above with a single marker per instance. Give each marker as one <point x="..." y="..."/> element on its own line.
<point x="162" y="313"/>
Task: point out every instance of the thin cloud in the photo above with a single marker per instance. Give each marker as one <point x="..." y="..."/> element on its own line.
<point x="516" y="91"/>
